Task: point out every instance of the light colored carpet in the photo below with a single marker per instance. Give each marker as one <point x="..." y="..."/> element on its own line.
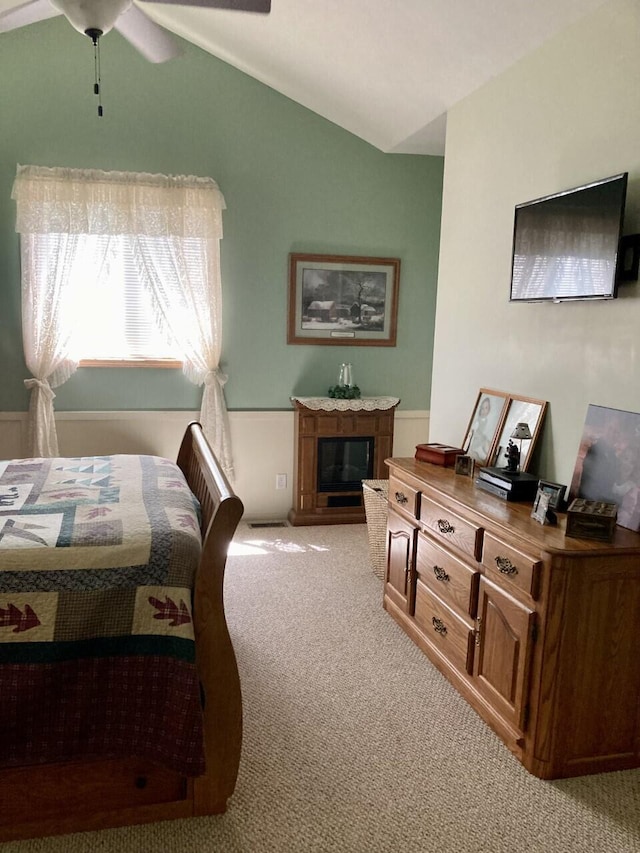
<point x="354" y="742"/>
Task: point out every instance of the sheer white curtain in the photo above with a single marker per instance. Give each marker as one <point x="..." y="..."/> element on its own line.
<point x="181" y="214"/>
<point x="184" y="277"/>
<point x="48" y="264"/>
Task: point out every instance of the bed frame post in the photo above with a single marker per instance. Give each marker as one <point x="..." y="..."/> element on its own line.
<point x="217" y="666"/>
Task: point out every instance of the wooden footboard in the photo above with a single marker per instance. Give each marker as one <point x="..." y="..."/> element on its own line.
<point x="221" y="512"/>
<point x="83" y="795"/>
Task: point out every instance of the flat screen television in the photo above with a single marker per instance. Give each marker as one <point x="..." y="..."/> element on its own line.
<point x="565" y="245"/>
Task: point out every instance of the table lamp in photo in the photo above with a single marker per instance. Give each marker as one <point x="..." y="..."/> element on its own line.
<point x="520" y="433"/>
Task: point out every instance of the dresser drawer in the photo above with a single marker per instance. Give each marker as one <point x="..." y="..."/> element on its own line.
<point x="520" y="569"/>
<point x="404" y="497"/>
<point x="453" y="581"/>
<point x="448" y="527"/>
<point x="452" y="635"/>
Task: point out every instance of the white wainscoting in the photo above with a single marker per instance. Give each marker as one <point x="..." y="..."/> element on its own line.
<point x="262" y="445"/>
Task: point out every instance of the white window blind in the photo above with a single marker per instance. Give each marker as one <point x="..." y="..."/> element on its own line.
<point x="113" y="311"/>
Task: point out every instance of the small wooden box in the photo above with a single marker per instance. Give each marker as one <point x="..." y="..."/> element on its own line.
<point x="438" y="454"/>
<point x="591" y="519"/>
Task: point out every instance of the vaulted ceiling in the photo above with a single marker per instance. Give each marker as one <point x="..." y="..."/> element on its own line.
<point x="385" y="70"/>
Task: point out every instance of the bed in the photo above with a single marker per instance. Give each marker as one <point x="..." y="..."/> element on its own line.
<point x="144" y="721"/>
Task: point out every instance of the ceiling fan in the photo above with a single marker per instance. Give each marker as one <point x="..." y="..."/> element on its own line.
<point x="94" y="18"/>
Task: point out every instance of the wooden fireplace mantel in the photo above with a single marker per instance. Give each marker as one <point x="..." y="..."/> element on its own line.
<point x="333" y="404"/>
<point x="326" y="417"/>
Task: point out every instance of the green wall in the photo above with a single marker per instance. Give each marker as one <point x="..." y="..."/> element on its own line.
<point x="293" y="182"/>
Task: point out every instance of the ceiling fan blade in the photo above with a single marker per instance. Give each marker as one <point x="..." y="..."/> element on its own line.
<point x="28" y="13"/>
<point x="263" y="6"/>
<point x="150" y="39"/>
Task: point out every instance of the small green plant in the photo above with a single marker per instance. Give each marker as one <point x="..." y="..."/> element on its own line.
<point x="344" y="392"/>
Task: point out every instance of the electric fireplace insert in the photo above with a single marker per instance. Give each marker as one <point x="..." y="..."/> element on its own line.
<point x="343" y="463"/>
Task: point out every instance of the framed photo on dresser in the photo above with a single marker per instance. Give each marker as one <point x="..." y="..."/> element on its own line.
<point x="607" y="467"/>
<point x="486" y="420"/>
<point x="520" y="410"/>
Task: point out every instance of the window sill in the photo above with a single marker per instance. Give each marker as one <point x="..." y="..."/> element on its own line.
<point x="134" y="362"/>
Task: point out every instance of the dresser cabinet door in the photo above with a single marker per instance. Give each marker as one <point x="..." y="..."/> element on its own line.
<point x="504" y="639"/>
<point x="400" y="577"/>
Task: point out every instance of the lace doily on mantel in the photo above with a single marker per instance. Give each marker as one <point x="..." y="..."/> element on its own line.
<point x="331" y="404"/>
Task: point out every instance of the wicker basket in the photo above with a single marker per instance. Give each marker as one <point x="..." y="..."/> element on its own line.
<point x="375" y="493"/>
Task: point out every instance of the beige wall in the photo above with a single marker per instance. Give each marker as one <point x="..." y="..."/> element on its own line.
<point x="262" y="445"/>
<point x="566" y="115"/>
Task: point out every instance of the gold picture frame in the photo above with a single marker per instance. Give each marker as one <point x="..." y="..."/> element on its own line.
<point x="486" y="419"/>
<point x="519" y="410"/>
<point x="343" y="300"/>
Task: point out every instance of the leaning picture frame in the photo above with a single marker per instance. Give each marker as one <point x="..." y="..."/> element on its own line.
<point x="486" y="419"/>
<point x="519" y="410"/>
<point x="343" y="300"/>
<point x="607" y="466"/>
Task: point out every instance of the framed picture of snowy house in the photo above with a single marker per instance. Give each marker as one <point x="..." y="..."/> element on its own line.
<point x="342" y="300"/>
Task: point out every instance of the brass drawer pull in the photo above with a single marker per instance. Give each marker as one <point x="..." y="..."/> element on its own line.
<point x="505" y="565"/>
<point x="401" y="499"/>
<point x="438" y="626"/>
<point x="440" y="574"/>
<point x="445" y="527"/>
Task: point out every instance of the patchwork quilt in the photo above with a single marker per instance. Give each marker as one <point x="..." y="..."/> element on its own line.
<point x="97" y="653"/>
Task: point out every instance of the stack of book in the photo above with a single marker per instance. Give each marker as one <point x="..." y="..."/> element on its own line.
<point x="508" y="485"/>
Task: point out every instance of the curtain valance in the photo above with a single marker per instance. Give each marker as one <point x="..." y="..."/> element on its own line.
<point x="80" y="201"/>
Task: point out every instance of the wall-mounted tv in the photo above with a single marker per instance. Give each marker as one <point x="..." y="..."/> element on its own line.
<point x="565" y="246"/>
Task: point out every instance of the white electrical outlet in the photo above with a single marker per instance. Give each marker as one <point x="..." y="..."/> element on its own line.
<point x="281" y="481"/>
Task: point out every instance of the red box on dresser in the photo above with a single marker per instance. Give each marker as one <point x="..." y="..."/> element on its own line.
<point x="438" y="454"/>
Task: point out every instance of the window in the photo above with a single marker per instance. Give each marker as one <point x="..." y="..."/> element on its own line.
<point x="120" y="266"/>
<point x="109" y="311"/>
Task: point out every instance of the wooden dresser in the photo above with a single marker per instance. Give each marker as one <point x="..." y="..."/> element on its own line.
<point x="539" y="632"/>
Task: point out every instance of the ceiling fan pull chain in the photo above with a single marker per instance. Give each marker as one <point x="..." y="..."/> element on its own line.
<point x="96" y="85"/>
<point x="94" y="35"/>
